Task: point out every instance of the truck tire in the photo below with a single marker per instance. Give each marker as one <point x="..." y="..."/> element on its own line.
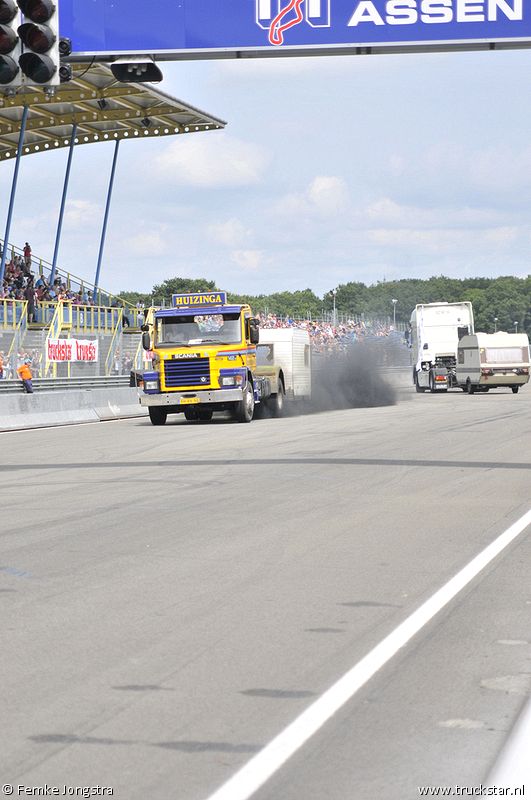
<point x="432" y="383"/>
<point x="276" y="402"/>
<point x="514" y="389"/>
<point x="245" y="408"/>
<point x="157" y="415"/>
<point x="469" y="388"/>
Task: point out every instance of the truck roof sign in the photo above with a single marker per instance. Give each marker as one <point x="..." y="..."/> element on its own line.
<point x="194" y="300"/>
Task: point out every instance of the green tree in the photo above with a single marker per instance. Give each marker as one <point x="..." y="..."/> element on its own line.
<point x="165" y="290"/>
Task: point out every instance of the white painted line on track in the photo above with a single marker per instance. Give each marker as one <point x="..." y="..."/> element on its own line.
<point x="259" y="769"/>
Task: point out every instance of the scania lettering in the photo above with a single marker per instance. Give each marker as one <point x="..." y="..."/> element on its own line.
<point x="204" y="360"/>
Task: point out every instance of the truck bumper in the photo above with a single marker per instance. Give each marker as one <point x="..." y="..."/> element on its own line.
<point x="204" y="397"/>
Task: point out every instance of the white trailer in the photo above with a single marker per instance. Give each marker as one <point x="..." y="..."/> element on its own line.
<point x="436" y="329"/>
<point x="491" y="360"/>
<point x="289" y="350"/>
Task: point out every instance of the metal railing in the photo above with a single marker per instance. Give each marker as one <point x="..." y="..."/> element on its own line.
<point x="13" y="385"/>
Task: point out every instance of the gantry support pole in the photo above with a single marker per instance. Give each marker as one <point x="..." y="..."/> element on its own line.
<point x="63" y="202"/>
<point x="13" y="191"/>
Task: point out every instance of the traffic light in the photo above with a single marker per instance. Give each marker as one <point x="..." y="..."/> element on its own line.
<point x="10" y="74"/>
<point x="39" y="33"/>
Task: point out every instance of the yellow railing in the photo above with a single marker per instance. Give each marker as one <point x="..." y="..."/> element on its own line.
<point x="11" y="312"/>
<point x="109" y="361"/>
<point x="19" y="327"/>
<point x="56" y="327"/>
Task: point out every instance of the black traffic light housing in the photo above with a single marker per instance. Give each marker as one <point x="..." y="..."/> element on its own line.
<point x="10" y="75"/>
<point x="39" y="34"/>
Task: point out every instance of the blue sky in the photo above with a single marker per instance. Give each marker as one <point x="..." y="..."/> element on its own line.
<point x="330" y="169"/>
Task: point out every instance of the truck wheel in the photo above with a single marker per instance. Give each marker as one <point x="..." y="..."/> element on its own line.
<point x="514" y="389"/>
<point x="432" y="383"/>
<point x="276" y="402"/>
<point x="245" y="408"/>
<point x="469" y="388"/>
<point x="204" y="414"/>
<point x="190" y="414"/>
<point x="157" y="415"/>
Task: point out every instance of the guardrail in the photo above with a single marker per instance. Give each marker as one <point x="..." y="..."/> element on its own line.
<point x="12" y="385"/>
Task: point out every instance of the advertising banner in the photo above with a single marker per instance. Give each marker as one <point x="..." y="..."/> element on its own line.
<point x="268" y="27"/>
<point x="71" y="350"/>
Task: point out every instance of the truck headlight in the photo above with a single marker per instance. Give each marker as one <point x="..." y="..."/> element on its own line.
<point x="227" y="380"/>
<point x="151" y="386"/>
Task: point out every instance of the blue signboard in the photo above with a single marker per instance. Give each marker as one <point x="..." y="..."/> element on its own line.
<point x="267" y="27"/>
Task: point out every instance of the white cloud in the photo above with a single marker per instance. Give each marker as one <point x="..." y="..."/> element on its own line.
<point x="212" y="160"/>
<point x="387" y="212"/>
<point x="248" y="259"/>
<point x="231" y="233"/>
<point x="325" y="196"/>
<point x="149" y="243"/>
<point x="500" y="167"/>
<point x="502" y="236"/>
<point x="80" y="213"/>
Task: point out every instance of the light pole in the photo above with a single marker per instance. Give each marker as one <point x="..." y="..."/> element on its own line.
<point x="516" y="326"/>
<point x="495" y="324"/>
<point x="333" y="294"/>
<point x="394" y="302"/>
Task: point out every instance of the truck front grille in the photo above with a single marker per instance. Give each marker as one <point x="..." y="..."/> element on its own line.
<point x="186" y="373"/>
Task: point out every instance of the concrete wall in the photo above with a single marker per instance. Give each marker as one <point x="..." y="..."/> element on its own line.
<point x="42" y="409"/>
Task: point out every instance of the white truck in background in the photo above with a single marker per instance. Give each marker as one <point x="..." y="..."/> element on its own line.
<point x="287" y="349"/>
<point x="436" y="329"/>
<point x="492" y="360"/>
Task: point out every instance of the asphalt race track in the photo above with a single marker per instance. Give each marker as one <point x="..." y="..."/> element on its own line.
<point x="174" y="597"/>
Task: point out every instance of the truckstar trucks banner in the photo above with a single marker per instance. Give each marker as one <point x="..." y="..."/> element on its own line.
<point x="71" y="350"/>
<point x="267" y="27"/>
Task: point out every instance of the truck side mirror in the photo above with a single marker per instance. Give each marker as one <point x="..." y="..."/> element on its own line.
<point x="146" y="341"/>
<point x="254" y="333"/>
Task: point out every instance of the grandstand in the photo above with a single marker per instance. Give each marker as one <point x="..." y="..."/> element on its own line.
<point x="79" y="311"/>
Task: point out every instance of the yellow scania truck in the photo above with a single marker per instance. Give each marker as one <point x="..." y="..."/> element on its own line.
<point x="204" y="360"/>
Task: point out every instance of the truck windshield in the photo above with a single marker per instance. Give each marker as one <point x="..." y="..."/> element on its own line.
<point x="184" y="331"/>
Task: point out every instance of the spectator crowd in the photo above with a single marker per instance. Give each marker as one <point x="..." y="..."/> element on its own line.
<point x="328" y="338"/>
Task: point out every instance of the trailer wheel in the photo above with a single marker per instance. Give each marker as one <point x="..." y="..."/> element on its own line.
<point x="276" y="402"/>
<point x="514" y="389"/>
<point x="157" y="415"/>
<point x="245" y="407"/>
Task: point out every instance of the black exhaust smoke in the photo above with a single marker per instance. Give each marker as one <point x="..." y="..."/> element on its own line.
<point x="354" y="378"/>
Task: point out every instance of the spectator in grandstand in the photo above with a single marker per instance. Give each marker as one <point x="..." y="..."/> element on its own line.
<point x="2" y="359"/>
<point x="24" y="373"/>
<point x="29" y="296"/>
<point x="27" y="255"/>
